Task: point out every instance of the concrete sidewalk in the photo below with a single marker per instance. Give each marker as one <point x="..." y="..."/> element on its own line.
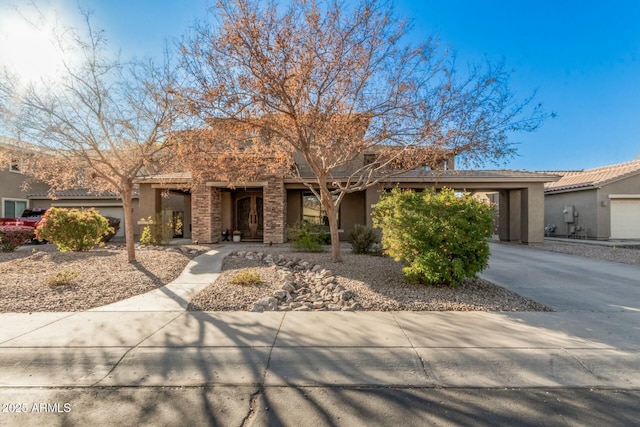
<point x="175" y="296"/>
<point x="417" y="349"/>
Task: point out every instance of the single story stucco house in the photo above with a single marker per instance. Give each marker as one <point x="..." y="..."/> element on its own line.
<point x="599" y="203"/>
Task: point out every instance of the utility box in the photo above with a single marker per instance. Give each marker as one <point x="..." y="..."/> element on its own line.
<point x="569" y="214"/>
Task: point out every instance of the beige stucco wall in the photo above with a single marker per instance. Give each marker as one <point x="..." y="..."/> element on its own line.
<point x="352" y="212"/>
<point x="12" y="188"/>
<point x="584" y="203"/>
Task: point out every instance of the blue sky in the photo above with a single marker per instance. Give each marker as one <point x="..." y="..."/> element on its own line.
<point x="583" y="58"/>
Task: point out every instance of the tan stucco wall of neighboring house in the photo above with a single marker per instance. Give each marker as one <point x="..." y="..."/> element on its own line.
<point x="12" y="188"/>
<point x="593" y="206"/>
<point x="584" y="202"/>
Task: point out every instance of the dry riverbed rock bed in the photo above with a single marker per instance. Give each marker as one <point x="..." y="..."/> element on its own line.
<point x="39" y="278"/>
<point x="311" y="282"/>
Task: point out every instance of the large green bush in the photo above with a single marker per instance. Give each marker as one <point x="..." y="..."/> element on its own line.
<point x="12" y="236"/>
<point x="73" y="230"/>
<point x="440" y="236"/>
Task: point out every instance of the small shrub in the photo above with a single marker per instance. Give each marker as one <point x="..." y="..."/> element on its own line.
<point x="362" y="239"/>
<point x="246" y="278"/>
<point x="156" y="232"/>
<point x="12" y="236"/>
<point x="441" y="237"/>
<point x="63" y="277"/>
<point x="308" y="237"/>
<point x="73" y="230"/>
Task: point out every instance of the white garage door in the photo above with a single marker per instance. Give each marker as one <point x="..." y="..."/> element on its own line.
<point x="625" y="218"/>
<point x="116" y="213"/>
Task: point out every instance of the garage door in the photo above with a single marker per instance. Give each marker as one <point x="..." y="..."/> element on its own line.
<point x="116" y="213"/>
<point x="625" y="218"/>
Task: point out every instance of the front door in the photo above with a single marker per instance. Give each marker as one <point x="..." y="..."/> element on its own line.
<point x="248" y="214"/>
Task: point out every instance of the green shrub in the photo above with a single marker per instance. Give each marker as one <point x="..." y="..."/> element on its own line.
<point x="362" y="239"/>
<point x="63" y="277"/>
<point x="156" y="231"/>
<point x="73" y="230"/>
<point x="246" y="278"/>
<point x="441" y="237"/>
<point x="308" y="237"/>
<point x="12" y="236"/>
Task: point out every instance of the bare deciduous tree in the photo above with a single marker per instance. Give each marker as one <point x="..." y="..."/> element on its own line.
<point x="331" y="80"/>
<point x="98" y="126"/>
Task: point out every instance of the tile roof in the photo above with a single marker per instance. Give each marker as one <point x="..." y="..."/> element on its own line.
<point x="80" y="194"/>
<point x="591" y="178"/>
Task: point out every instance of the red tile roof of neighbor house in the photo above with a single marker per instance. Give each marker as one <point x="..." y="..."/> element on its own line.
<point x="591" y="178"/>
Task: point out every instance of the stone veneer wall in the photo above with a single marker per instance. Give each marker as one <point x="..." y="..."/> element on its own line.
<point x="275" y="208"/>
<point x="206" y="209"/>
<point x="206" y="205"/>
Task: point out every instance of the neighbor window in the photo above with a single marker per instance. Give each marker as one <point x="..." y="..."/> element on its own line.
<point x="13" y="208"/>
<point x="14" y="165"/>
<point x="312" y="211"/>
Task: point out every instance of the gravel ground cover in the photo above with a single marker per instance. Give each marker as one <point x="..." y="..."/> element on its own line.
<point x="377" y="283"/>
<point x="94" y="278"/>
<point x="104" y="276"/>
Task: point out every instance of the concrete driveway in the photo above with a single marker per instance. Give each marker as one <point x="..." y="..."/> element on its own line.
<point x="565" y="282"/>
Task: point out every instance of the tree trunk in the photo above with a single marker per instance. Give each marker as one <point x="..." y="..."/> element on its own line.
<point x="331" y="210"/>
<point x="127" y="203"/>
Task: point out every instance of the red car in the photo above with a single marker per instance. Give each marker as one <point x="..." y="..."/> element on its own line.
<point x="30" y="218"/>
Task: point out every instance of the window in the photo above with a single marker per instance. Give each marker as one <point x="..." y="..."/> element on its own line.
<point x="369" y="159"/>
<point x="311" y="210"/>
<point x="13" y="208"/>
<point x="14" y="165"/>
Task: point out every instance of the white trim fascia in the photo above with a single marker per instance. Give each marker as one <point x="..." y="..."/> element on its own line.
<point x="70" y="204"/>
<point x="225" y="184"/>
<point x="624" y="196"/>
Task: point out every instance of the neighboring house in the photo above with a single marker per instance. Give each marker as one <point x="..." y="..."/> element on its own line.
<point x="107" y="204"/>
<point x="600" y="203"/>
<point x="262" y="210"/>
<point x="18" y="192"/>
<point x="14" y="185"/>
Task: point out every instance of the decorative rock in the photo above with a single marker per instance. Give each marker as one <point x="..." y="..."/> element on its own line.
<point x="302" y="308"/>
<point x="317" y="305"/>
<point x="288" y="286"/>
<point x="269" y="304"/>
<point x="346" y="295"/>
<point x="334" y="307"/>
<point x="281" y="295"/>
<point x="295" y="305"/>
<point x="316" y="268"/>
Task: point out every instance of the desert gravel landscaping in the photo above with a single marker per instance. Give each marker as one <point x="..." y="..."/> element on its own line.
<point x="98" y="277"/>
<point x="104" y="276"/>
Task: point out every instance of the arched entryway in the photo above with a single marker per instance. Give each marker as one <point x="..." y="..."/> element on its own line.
<point x="248" y="214"/>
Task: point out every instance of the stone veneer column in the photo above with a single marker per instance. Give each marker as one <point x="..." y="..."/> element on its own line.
<point x="205" y="210"/>
<point x="274" y="210"/>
